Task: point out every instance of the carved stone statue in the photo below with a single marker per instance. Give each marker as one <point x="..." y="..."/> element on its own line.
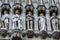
<point x="42" y="22"/>
<point x="54" y="22"/>
<point x="30" y="20"/>
<point x="55" y="25"/>
<point x="5" y="15"/>
<point x="5" y="20"/>
<point x="17" y="21"/>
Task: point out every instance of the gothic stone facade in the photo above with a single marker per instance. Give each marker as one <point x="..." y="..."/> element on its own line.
<point x="29" y="20"/>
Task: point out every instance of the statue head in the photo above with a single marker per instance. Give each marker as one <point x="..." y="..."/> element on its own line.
<point x="17" y="12"/>
<point x="29" y="13"/>
<point x="5" y="12"/>
<point x="41" y="14"/>
<point x="54" y="14"/>
<point x="7" y="7"/>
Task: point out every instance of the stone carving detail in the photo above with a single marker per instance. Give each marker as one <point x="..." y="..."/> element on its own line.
<point x="5" y="20"/>
<point x="42" y="22"/>
<point x="16" y="19"/>
<point x="30" y="20"/>
<point x="54" y="22"/>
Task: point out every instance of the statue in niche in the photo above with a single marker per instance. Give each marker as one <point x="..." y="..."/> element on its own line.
<point x="54" y="22"/>
<point x="5" y="15"/>
<point x="17" y="21"/>
<point x="5" y="19"/>
<point x="42" y="22"/>
<point x="30" y="20"/>
<point x="30" y="24"/>
<point x="55" y="25"/>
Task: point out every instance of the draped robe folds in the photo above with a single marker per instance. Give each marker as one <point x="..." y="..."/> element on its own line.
<point x="54" y="23"/>
<point x="42" y="23"/>
<point x="5" y="20"/>
<point x="29" y="22"/>
<point x="17" y="22"/>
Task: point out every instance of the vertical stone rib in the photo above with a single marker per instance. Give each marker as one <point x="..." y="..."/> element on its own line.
<point x="52" y="2"/>
<point x="29" y="2"/>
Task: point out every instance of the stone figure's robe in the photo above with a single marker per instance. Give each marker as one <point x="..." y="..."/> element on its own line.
<point x="42" y="23"/>
<point x="5" y="21"/>
<point x="17" y="22"/>
<point x="54" y="23"/>
<point x="29" y="22"/>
